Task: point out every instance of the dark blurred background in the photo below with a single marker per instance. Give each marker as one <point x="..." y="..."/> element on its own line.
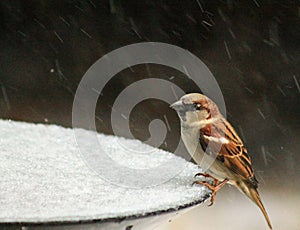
<point x="251" y="47"/>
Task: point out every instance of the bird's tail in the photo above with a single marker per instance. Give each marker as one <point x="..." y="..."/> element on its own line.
<point x="252" y="193"/>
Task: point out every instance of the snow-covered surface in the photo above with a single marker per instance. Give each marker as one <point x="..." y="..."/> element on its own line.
<point x="44" y="178"/>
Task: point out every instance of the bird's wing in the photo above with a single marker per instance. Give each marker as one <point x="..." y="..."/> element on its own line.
<point x="220" y="138"/>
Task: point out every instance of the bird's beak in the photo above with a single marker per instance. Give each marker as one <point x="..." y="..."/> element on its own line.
<point x="178" y="105"/>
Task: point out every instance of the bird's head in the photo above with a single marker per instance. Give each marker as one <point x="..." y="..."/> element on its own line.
<point x="195" y="107"/>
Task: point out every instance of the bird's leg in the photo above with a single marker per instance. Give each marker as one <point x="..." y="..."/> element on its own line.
<point x="214" y="188"/>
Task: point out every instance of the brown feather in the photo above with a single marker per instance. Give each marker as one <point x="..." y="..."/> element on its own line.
<point x="252" y="193"/>
<point x="233" y="154"/>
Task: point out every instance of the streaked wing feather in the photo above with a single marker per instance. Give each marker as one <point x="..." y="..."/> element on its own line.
<point x="233" y="154"/>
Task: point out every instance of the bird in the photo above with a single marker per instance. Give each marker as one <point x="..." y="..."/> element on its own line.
<point x="207" y="134"/>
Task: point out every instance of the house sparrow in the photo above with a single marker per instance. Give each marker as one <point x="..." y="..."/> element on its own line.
<point x="208" y="135"/>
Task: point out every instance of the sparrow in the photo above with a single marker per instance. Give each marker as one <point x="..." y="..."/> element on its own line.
<point x="208" y="135"/>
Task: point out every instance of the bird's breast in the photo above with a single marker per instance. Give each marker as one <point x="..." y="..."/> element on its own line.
<point x="190" y="137"/>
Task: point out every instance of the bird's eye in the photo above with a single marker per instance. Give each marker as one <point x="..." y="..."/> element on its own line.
<point x="197" y="106"/>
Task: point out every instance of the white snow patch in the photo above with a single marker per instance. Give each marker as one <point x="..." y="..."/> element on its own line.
<point x="44" y="178"/>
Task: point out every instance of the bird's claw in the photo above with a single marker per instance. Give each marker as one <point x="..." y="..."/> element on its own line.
<point x="204" y="183"/>
<point x="214" y="188"/>
<point x="200" y="174"/>
<point x="209" y="186"/>
<point x="206" y="175"/>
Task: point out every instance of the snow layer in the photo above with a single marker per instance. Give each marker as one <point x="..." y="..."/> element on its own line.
<point x="44" y="178"/>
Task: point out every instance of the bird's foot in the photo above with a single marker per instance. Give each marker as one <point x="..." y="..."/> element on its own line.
<point x="206" y="175"/>
<point x="211" y="187"/>
<point x="206" y="184"/>
<point x="214" y="188"/>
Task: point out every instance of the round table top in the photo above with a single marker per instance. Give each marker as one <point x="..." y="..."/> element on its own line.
<point x="45" y="178"/>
